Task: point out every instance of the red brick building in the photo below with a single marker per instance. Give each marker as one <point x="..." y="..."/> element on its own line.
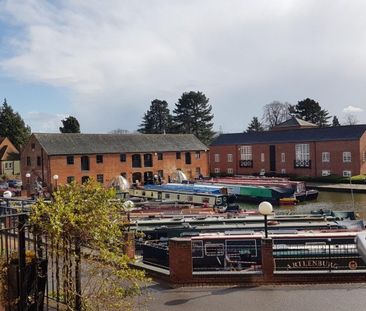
<point x="106" y="156"/>
<point x="294" y="148"/>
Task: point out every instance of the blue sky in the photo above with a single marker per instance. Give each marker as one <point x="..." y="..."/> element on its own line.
<point x="105" y="61"/>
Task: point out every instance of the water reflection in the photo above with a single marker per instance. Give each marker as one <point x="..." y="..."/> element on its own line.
<point x="326" y="200"/>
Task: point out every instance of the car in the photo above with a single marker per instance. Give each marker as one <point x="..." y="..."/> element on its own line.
<point x="15" y="183"/>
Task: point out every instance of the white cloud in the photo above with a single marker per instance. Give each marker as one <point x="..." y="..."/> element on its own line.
<point x="352" y="109"/>
<point x="44" y="122"/>
<point x="117" y="56"/>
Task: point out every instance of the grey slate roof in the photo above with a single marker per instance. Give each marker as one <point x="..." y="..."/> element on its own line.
<point x="63" y="144"/>
<point x="296" y="122"/>
<point x="351" y="132"/>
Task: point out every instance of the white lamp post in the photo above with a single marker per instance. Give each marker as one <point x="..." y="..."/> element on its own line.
<point x="265" y="208"/>
<point x="55" y="178"/>
<point x="28" y="175"/>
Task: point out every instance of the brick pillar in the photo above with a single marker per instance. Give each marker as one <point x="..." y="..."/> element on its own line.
<point x="267" y="260"/>
<point x="180" y="260"/>
<point x="129" y="246"/>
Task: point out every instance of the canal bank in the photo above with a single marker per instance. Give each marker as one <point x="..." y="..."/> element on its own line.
<point x="356" y="188"/>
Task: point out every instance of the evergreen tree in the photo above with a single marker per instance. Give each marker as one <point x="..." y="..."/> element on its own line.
<point x="157" y="119"/>
<point x="193" y="116"/>
<point x="310" y="110"/>
<point x="70" y="125"/>
<point x="13" y="126"/>
<point x="335" y="121"/>
<point x="255" y="126"/>
<point x="275" y="113"/>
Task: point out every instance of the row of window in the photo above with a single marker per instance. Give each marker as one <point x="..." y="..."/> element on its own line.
<point x="136" y="159"/>
<point x="100" y="178"/>
<point x="230" y="171"/>
<point x="302" y="154"/>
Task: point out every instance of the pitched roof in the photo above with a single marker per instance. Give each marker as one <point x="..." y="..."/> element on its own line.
<point x="62" y="144"/>
<point x="351" y="132"/>
<point x="296" y="122"/>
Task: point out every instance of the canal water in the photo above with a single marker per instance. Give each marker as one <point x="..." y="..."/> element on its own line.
<point x="340" y="201"/>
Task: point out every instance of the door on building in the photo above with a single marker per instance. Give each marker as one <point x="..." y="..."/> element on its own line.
<point x="272" y="158"/>
<point x="148" y="177"/>
<point x="136" y="178"/>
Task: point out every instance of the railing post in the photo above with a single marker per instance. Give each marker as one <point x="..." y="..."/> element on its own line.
<point x="267" y="259"/>
<point x="22" y="218"/>
<point x="180" y="260"/>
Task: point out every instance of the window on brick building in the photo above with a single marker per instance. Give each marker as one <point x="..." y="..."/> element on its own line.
<point x="188" y="158"/>
<point x="161" y="173"/>
<point x="347" y="173"/>
<point x="100" y="178"/>
<point x="33" y="146"/>
<point x="38" y="161"/>
<point x="70" y="179"/>
<point x="177" y="155"/>
<point x="197" y="155"/>
<point x="70" y="160"/>
<point x="347" y="157"/>
<point x="99" y="158"/>
<point x="217" y="170"/>
<point x="84" y="179"/>
<point x="302" y="152"/>
<point x="85" y="163"/>
<point x="148" y="161"/>
<point x="217" y="157"/>
<point x="325" y="156"/>
<point x="283" y="157"/>
<point x="283" y="171"/>
<point x="230" y="171"/>
<point x="160" y="156"/>
<point x="229" y="157"/>
<point x="29" y="162"/>
<point x="122" y="157"/>
<point x="262" y="157"/>
<point x="325" y="172"/>
<point x="246" y="153"/>
<point x="136" y="160"/>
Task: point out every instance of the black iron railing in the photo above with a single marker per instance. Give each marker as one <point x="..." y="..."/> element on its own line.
<point x="302" y="164"/>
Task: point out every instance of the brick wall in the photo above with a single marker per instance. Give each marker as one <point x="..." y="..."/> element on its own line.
<point x="110" y="168"/>
<point x="335" y="165"/>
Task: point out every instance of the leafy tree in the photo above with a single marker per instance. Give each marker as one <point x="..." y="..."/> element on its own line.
<point x="310" y="110"/>
<point x="193" y="116"/>
<point x="335" y="121"/>
<point x="255" y="126"/>
<point x="85" y="215"/>
<point x="13" y="126"/>
<point x="157" y="119"/>
<point x="70" y="125"/>
<point x="275" y="113"/>
<point x="350" y="119"/>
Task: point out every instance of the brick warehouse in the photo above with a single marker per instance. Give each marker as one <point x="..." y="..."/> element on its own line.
<point x="293" y="148"/>
<point x="105" y="156"/>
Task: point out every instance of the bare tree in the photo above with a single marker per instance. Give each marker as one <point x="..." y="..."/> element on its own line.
<point x="350" y="119"/>
<point x="275" y="113"/>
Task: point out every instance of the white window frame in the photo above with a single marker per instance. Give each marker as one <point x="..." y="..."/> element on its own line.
<point x="325" y="172"/>
<point x="302" y="152"/>
<point x="230" y="170"/>
<point x="246" y="153"/>
<point x="347" y="173"/>
<point x="347" y="157"/>
<point x="283" y="171"/>
<point x="230" y="157"/>
<point x="217" y="170"/>
<point x="325" y="156"/>
<point x="262" y="156"/>
<point x="283" y="157"/>
<point x="217" y="157"/>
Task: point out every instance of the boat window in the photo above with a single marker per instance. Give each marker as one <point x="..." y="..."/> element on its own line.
<point x="167" y="195"/>
<point x="197" y="249"/>
<point x="205" y="200"/>
<point x="189" y="198"/>
<point x="214" y="249"/>
<point x="218" y="200"/>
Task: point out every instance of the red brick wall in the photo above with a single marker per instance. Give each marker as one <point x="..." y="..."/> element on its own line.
<point x="110" y="168"/>
<point x="336" y="165"/>
<point x="363" y="153"/>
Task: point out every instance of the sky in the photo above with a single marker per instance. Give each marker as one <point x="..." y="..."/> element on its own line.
<point x="103" y="62"/>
